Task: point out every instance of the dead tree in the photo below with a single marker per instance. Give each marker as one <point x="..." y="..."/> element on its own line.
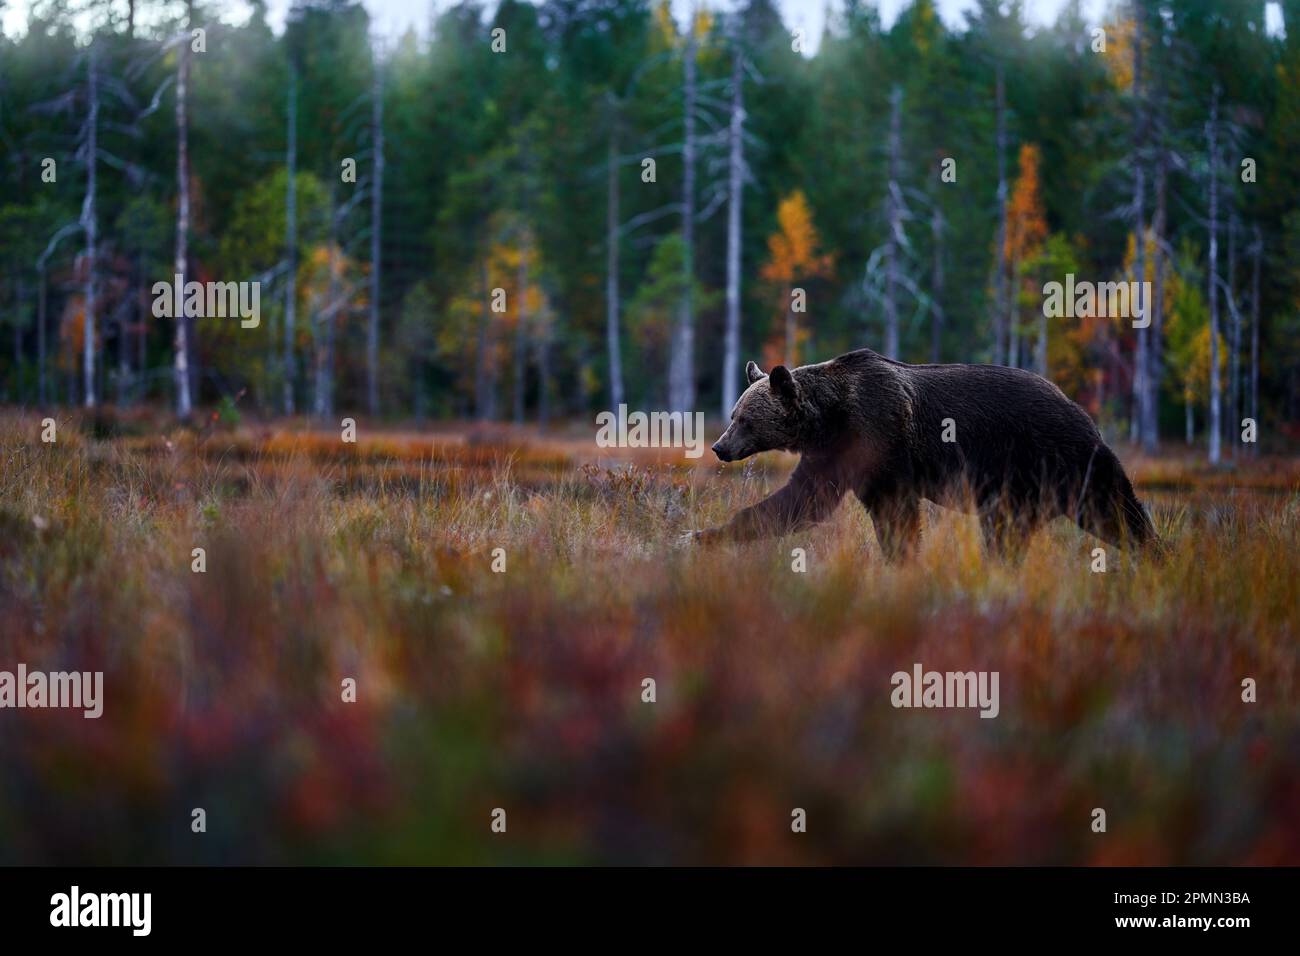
<point x="936" y="286"/>
<point x="735" y="197"/>
<point x="1212" y="151"/>
<point x="521" y="330"/>
<point x="681" y="365"/>
<point x="1141" y="363"/>
<point x="291" y="244"/>
<point x="180" y="356"/>
<point x="90" y="226"/>
<point x="1001" y="305"/>
<point x="1234" y="339"/>
<point x="612" y="336"/>
<point x="893" y="221"/>
<point x="376" y="241"/>
<point x="1256" y="253"/>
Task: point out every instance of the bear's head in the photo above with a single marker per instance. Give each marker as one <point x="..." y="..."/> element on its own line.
<point x="769" y="415"/>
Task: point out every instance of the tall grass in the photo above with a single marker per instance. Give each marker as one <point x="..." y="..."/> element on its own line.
<point x="523" y="690"/>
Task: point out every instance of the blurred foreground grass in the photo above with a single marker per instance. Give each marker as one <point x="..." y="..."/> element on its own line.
<point x="522" y="690"/>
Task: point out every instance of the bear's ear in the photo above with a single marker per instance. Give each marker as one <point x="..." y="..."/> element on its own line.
<point x="753" y="373"/>
<point x="783" y="384"/>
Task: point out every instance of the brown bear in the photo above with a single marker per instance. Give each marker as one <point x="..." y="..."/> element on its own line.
<point x="1003" y="442"/>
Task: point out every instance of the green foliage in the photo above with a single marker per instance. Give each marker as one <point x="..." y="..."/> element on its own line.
<point x="475" y="139"/>
<point x="652" y="314"/>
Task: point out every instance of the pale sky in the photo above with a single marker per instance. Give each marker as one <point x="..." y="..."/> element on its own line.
<point x="393" y="17"/>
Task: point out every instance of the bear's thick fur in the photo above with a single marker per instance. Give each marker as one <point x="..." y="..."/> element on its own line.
<point x="1020" y="453"/>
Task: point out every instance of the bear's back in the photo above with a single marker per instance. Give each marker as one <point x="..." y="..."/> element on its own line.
<point x="989" y="425"/>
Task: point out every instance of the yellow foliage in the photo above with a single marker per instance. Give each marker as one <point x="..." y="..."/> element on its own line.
<point x="665" y="26"/>
<point x="666" y="31"/>
<point x="792" y="250"/>
<point x="1119" y="52"/>
<point x="458" y="334"/>
<point x="1197" y="379"/>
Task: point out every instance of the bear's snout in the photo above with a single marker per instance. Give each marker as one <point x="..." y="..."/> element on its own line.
<point x="721" y="452"/>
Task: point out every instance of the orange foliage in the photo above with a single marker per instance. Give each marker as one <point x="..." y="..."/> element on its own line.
<point x="1026" y="220"/>
<point x="792" y="257"/>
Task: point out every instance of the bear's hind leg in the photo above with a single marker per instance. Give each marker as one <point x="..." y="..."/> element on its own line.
<point x="1006" y="532"/>
<point x="898" y="525"/>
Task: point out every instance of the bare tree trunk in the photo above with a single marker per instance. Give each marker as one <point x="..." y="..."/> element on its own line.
<point x="791" y="330"/>
<point x="41" y="395"/>
<point x="681" y="365"/>
<point x="291" y="246"/>
<point x="122" y="389"/>
<point x="611" y="263"/>
<point x="90" y="223"/>
<point x="1013" y="312"/>
<point x="1156" y="127"/>
<point x="543" y="342"/>
<point x="999" y="322"/>
<point x="323" y="324"/>
<point x="1155" y="354"/>
<point x="484" y="403"/>
<point x="936" y="283"/>
<point x="141" y="337"/>
<point x="376" y="245"/>
<point x="521" y="331"/>
<point x="735" y="195"/>
<point x="1141" y="362"/>
<point x="1234" y="340"/>
<point x="180" y="358"/>
<point x="1216" y="417"/>
<point x="1257" y="251"/>
<point x="893" y="222"/>
<point x="20" y="293"/>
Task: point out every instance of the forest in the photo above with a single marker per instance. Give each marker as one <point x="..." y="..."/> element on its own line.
<point x="319" y="349"/>
<point x="530" y="212"/>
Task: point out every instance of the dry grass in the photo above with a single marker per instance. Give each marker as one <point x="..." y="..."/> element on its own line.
<point x="522" y="690"/>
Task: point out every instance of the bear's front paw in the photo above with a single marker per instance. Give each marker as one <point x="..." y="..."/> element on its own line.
<point x="704" y="536"/>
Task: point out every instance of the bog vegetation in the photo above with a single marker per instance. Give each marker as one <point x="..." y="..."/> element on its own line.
<point x="522" y="687"/>
<point x="531" y="211"/>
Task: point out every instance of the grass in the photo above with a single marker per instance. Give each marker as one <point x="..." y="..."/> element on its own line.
<point x="523" y="690"/>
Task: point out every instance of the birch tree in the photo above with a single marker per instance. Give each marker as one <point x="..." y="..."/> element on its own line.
<point x="1234" y="337"/>
<point x="1212" y="152"/>
<point x="180" y="350"/>
<point x="936" y="284"/>
<point x="90" y="226"/>
<point x="681" y="366"/>
<point x="1141" y="363"/>
<point x="521" y="329"/>
<point x="612" y="302"/>
<point x="376" y="239"/>
<point x="1256" y="253"/>
<point x="735" y="197"/>
<point x="288" y="364"/>
<point x="1001" y="305"/>
<point x="893" y="222"/>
